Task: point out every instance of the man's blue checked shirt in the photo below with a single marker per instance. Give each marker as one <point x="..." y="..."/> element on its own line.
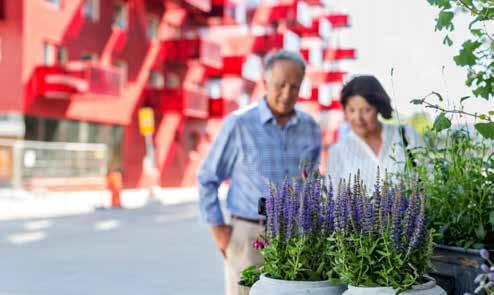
<point x="251" y="150"/>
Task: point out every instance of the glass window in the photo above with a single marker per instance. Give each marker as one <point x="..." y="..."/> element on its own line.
<point x="90" y="10"/>
<point x="152" y="27"/>
<point x="48" y="54"/>
<point x="122" y="65"/>
<point x="55" y="3"/>
<point x="120" y="17"/>
<point x="156" y="80"/>
<point x="62" y="55"/>
<point x="88" y="56"/>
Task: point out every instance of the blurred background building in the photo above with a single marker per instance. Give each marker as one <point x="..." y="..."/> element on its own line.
<point x="75" y="73"/>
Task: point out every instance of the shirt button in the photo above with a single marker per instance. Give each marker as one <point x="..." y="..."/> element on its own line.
<point x="286" y="171"/>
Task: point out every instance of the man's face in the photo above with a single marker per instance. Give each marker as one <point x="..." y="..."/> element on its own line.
<point x="282" y="84"/>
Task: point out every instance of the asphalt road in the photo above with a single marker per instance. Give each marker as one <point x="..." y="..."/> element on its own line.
<point x="150" y="250"/>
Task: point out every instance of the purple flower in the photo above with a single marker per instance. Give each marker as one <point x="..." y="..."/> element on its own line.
<point x="396" y="216"/>
<point x="270" y="211"/>
<point x="484" y="267"/>
<point x="484" y="254"/>
<point x="491" y="276"/>
<point x="418" y="225"/>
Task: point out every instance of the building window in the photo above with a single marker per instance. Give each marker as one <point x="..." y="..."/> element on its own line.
<point x="55" y="3"/>
<point x="122" y="65"/>
<point x="120" y="17"/>
<point x="54" y="55"/>
<point x="152" y="27"/>
<point x="49" y="54"/>
<point x="88" y="56"/>
<point x="90" y="10"/>
<point x="156" y="80"/>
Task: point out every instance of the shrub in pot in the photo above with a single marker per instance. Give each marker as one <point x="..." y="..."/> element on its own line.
<point x="381" y="243"/>
<point x="297" y="252"/>
<point x="457" y="170"/>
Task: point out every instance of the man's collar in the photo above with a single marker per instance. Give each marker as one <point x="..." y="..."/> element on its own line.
<point x="266" y="114"/>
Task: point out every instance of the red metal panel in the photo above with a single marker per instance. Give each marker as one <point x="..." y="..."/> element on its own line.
<point x="338" y="54"/>
<point x="339" y="20"/>
<point x="195" y="102"/>
<point x="63" y="81"/>
<point x="165" y="100"/>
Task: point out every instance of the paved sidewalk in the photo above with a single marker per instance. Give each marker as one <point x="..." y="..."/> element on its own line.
<point x="19" y="204"/>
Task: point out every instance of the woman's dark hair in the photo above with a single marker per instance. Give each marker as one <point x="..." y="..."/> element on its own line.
<point x="369" y="88"/>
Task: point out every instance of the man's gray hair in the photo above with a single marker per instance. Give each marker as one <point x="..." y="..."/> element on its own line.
<point x="272" y="57"/>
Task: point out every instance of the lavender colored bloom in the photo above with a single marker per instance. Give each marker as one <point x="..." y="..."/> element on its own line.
<point x="396" y="215"/>
<point x="303" y="214"/>
<point x="484" y="267"/>
<point x="484" y="254"/>
<point x="419" y="224"/>
<point x="491" y="276"/>
<point x="478" y="278"/>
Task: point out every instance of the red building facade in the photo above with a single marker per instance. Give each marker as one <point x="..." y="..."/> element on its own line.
<point x="97" y="62"/>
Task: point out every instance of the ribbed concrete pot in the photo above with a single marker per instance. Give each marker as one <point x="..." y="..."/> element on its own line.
<point x="268" y="286"/>
<point x="429" y="288"/>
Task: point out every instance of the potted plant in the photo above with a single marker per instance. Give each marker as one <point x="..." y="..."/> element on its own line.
<point x="297" y="253"/>
<point x="382" y="244"/>
<point x="250" y="275"/>
<point x="457" y="170"/>
<point x="485" y="279"/>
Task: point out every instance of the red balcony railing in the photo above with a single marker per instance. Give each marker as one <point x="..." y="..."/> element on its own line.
<point x="191" y="101"/>
<point x="339" y="54"/>
<point x="196" y="102"/>
<point x="339" y="20"/>
<point x="220" y="107"/>
<point x="78" y="77"/>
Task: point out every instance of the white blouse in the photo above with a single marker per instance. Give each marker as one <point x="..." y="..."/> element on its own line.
<point x="352" y="153"/>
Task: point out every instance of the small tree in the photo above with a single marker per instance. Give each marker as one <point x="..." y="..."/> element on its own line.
<point x="476" y="54"/>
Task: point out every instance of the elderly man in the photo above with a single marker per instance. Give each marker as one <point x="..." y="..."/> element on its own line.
<point x="261" y="143"/>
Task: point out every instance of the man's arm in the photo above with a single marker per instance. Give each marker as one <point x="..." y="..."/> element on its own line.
<point x="217" y="167"/>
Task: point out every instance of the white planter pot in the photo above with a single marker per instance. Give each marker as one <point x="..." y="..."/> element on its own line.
<point x="429" y="288"/>
<point x="268" y="286"/>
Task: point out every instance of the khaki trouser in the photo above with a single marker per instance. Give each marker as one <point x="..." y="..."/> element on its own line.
<point x="240" y="253"/>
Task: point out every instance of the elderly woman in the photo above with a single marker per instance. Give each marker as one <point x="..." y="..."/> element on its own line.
<point x="370" y="143"/>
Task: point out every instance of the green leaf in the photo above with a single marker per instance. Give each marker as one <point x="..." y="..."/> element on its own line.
<point x="480" y="232"/>
<point x="444" y="20"/>
<point x="491" y="217"/>
<point x="491" y="113"/>
<point x="441" y="122"/>
<point x="447" y="41"/>
<point x="417" y="101"/>
<point x="486" y="129"/>
<point x="439" y="96"/>
<point x="464" y="98"/>
<point x="466" y="57"/>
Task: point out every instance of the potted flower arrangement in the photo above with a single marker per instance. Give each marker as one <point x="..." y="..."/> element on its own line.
<point x="382" y="244"/>
<point x="250" y="275"/>
<point x="485" y="279"/>
<point x="297" y="253"/>
<point x="458" y="176"/>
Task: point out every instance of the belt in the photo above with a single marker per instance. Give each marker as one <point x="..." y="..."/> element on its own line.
<point x="250" y="220"/>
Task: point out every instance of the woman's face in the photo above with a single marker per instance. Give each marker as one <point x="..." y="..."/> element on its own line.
<point x="361" y="115"/>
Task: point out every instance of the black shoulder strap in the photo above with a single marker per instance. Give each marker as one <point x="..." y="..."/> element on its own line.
<point x="410" y="156"/>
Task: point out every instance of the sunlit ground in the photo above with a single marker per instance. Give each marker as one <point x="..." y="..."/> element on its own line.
<point x="150" y="250"/>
